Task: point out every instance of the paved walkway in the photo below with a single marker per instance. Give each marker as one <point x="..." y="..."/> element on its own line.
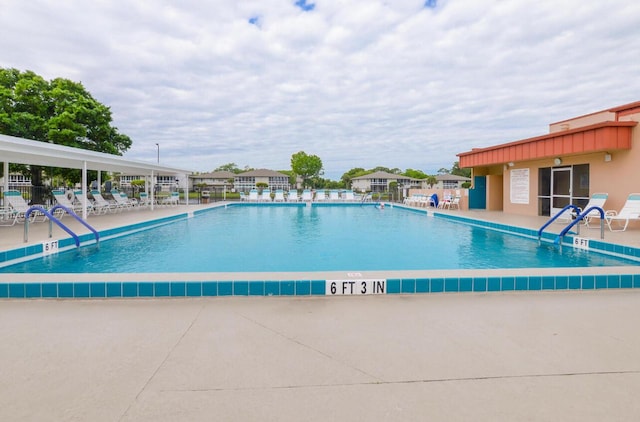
<point x="534" y="356"/>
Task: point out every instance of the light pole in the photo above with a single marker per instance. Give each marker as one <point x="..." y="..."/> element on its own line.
<point x="158" y="148"/>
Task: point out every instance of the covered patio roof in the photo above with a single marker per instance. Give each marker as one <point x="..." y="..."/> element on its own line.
<point x="24" y="151"/>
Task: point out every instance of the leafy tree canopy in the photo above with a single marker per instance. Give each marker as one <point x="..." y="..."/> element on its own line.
<point x="59" y="111"/>
<point x="232" y="167"/>
<point x="460" y="171"/>
<point x="354" y="172"/>
<point x="416" y="174"/>
<point x="306" y="166"/>
<point x="387" y="170"/>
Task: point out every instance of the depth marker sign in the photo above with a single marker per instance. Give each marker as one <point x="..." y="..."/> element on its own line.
<point x="356" y="287"/>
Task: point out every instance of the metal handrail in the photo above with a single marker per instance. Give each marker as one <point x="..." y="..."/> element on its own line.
<point x="552" y="219"/>
<point x="580" y="217"/>
<point x="53" y="219"/>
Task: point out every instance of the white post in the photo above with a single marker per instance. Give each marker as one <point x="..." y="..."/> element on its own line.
<point x="85" y="204"/>
<point x="6" y="183"/>
<point x="153" y="191"/>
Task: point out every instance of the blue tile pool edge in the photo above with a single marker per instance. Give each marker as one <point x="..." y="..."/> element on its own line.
<point x="266" y="288"/>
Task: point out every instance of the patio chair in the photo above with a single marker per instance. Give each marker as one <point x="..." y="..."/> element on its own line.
<point x="455" y="201"/>
<point x="19" y="207"/>
<point x="67" y="200"/>
<point x="320" y="195"/>
<point x="306" y="195"/>
<point x="243" y="197"/>
<point x="122" y="200"/>
<point x="293" y="195"/>
<point x="266" y="195"/>
<point x="278" y="196"/>
<point x="103" y="204"/>
<point x="620" y="219"/>
<point x="446" y="200"/>
<point x="348" y="196"/>
<point x="596" y="200"/>
<point x="172" y="200"/>
<point x="253" y="195"/>
<point x="92" y="207"/>
<point x="144" y="200"/>
<point x="8" y="217"/>
<point x="334" y="195"/>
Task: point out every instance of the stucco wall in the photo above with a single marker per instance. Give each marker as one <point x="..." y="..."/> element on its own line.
<point x="577" y="122"/>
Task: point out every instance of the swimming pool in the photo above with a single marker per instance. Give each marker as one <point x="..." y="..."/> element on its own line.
<point x="130" y="282"/>
<point x="319" y="238"/>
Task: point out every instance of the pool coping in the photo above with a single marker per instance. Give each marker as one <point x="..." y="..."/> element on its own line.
<point x="119" y="285"/>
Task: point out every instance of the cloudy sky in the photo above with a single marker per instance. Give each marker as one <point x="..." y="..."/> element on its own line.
<point x="395" y="83"/>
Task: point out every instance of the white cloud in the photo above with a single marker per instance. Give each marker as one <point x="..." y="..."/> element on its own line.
<point x="359" y="84"/>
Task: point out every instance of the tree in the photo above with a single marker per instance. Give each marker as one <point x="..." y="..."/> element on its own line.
<point x="60" y="111"/>
<point x="306" y="166"/>
<point x="460" y="171"/>
<point x="232" y="167"/>
<point x="354" y="172"/>
<point x="387" y="170"/>
<point x="416" y="174"/>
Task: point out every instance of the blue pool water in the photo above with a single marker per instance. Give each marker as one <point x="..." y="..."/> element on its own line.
<point x="328" y="238"/>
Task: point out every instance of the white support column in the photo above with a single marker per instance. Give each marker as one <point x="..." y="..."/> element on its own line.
<point x="185" y="187"/>
<point x="85" y="200"/>
<point x="6" y="182"/>
<point x="153" y="192"/>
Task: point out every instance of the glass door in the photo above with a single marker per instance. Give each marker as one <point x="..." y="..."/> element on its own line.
<point x="560" y="188"/>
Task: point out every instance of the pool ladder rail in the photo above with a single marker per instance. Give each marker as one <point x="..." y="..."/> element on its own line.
<point x="53" y="219"/>
<point x="579" y="217"/>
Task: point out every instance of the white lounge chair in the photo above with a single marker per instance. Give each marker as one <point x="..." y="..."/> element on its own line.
<point x="320" y="195"/>
<point x="411" y="200"/>
<point x="334" y="195"/>
<point x="455" y="201"/>
<point x="122" y="201"/>
<point x="266" y="195"/>
<point x="596" y="200"/>
<point x="445" y="202"/>
<point x="144" y="200"/>
<point x="8" y="217"/>
<point x="173" y="199"/>
<point x="618" y="221"/>
<point x="293" y="195"/>
<point x="62" y="198"/>
<point x="253" y="195"/>
<point x="92" y="207"/>
<point x="243" y="197"/>
<point x="278" y="196"/>
<point x="103" y="204"/>
<point x="19" y="207"/>
<point x="306" y="195"/>
<point x="348" y="196"/>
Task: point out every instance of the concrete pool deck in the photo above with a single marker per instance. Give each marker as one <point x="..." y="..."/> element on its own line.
<point x="538" y="356"/>
<point x="535" y="356"/>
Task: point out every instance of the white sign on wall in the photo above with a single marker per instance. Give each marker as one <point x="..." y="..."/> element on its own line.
<point x="519" y="190"/>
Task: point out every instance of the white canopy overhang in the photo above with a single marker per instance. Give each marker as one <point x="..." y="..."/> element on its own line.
<point x="24" y="151"/>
